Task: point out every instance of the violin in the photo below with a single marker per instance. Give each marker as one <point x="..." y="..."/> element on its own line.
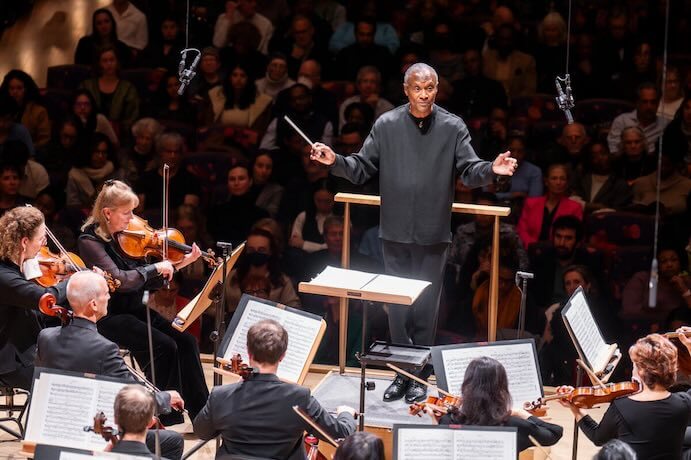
<point x="236" y="366"/>
<point x="58" y="267"/>
<point x="439" y="405"/>
<point x="108" y="433"/>
<point x="141" y="241"/>
<point x="47" y="305"/>
<point x="683" y="357"/>
<point x="588" y="397"/>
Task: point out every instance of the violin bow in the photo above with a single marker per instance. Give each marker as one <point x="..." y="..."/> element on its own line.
<point x="594" y="378"/>
<point x="314" y="425"/>
<point x="419" y="380"/>
<point x="164" y="213"/>
<point x="539" y="446"/>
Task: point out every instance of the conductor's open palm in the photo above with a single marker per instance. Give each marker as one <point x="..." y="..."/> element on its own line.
<point x="322" y="153"/>
<point x="504" y="165"/>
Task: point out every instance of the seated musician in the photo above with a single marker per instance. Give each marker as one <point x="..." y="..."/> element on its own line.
<point x="177" y="364"/>
<point x="652" y="421"/>
<point x="487" y="402"/>
<point x="79" y="347"/>
<point x="134" y="413"/>
<point x="360" y="446"/>
<point x="255" y="417"/>
<point x="22" y="234"/>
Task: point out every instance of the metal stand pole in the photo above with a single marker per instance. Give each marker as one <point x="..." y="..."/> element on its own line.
<point x="363" y="367"/>
<point x="574" y="449"/>
<point x="524" y="277"/>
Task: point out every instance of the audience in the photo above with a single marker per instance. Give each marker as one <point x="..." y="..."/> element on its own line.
<point x="131" y="24"/>
<point x="644" y="116"/>
<point x="103" y="33"/>
<point x="269" y="194"/>
<point x="242" y="11"/>
<point x="83" y="108"/>
<point x="368" y="84"/>
<point x="601" y="188"/>
<point x="23" y="89"/>
<point x="92" y="167"/>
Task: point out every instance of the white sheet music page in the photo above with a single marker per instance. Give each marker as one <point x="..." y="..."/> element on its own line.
<point x="62" y="405"/>
<point x="485" y="445"/>
<point x="586" y="332"/>
<point x="343" y="278"/>
<point x="425" y="444"/>
<point x="397" y="285"/>
<point x="302" y="332"/>
<point x="517" y="358"/>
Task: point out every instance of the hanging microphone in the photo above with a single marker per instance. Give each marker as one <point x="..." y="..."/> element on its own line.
<point x="186" y="75"/>
<point x="564" y="97"/>
<point x="652" y="284"/>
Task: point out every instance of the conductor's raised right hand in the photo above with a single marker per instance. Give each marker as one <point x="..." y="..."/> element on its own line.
<point x="323" y="154"/>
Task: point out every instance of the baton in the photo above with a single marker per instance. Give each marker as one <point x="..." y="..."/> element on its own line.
<point x="298" y="130"/>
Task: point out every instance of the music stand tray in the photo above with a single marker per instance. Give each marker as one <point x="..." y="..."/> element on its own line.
<point x="412" y="357"/>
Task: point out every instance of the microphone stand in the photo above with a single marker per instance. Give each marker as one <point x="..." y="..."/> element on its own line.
<point x="524" y="277"/>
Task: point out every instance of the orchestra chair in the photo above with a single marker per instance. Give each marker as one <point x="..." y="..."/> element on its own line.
<point x="10" y="406"/>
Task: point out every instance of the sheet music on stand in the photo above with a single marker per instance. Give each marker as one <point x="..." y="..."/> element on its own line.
<point x="63" y="403"/>
<point x="48" y="452"/>
<point x="586" y="336"/>
<point x="519" y="358"/>
<point x="305" y="332"/>
<point x="438" y="442"/>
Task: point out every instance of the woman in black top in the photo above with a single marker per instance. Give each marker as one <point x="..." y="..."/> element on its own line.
<point x="22" y="234"/>
<point x="653" y="421"/>
<point x="177" y="364"/>
<point x="487" y="402"/>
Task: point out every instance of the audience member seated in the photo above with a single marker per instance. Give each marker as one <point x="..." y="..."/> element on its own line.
<point x="242" y="11"/>
<point x="475" y="95"/>
<point x="359" y="113"/>
<point x="360" y="446"/>
<point x="672" y="292"/>
<point x="363" y="52"/>
<point x="141" y="157"/>
<point x="243" y="40"/>
<point x="368" y="83"/>
<point x="487" y="402"/>
<point x="231" y="220"/>
<point x="673" y="95"/>
<point x="331" y="11"/>
<point x="276" y="78"/>
<point x="652" y="421"/>
<point x="183" y="187"/>
<point x="301" y="110"/>
<point x="92" y="167"/>
<point x="682" y="124"/>
<point x="164" y="53"/>
<point x="23" y="89"/>
<point x="509" y="300"/>
<point x="57" y="156"/>
<point x="601" y="188"/>
<point x="116" y="99"/>
<point x="301" y="46"/>
<point x="34" y="177"/>
<point x="237" y="104"/>
<point x="169" y="105"/>
<point x="573" y="141"/>
<point x="264" y="402"/>
<point x="191" y="223"/>
<point x="674" y="188"/>
<point x="557" y="355"/>
<point x="493" y="135"/>
<point x="613" y="48"/>
<point x="307" y="231"/>
<point x="644" y="116"/>
<point x="550" y="57"/>
<point x="84" y="109"/>
<point x="539" y="213"/>
<point x="481" y="227"/>
<point x="10" y="178"/>
<point x="79" y="347"/>
<point x="50" y="201"/>
<point x="103" y="34"/>
<point x="310" y="74"/>
<point x="443" y="49"/>
<point x="131" y="24"/>
<point x="9" y="129"/>
<point x="208" y="75"/>
<point x="269" y="194"/>
<point x="512" y="68"/>
<point x="634" y="161"/>
<point x="527" y="178"/>
<point x="551" y="261"/>
<point x="641" y="67"/>
<point x="384" y="33"/>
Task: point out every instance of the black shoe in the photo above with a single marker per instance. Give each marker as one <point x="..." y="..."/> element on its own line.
<point x="416" y="392"/>
<point x="397" y="389"/>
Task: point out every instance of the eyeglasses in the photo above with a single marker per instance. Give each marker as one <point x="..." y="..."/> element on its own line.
<point x="109" y="182"/>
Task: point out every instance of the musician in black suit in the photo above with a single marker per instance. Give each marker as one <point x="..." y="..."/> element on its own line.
<point x="255" y="417"/>
<point x="134" y="411"/>
<point x="79" y="347"/>
<point x="22" y="234"/>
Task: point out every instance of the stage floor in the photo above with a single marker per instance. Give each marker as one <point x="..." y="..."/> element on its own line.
<point x="379" y="414"/>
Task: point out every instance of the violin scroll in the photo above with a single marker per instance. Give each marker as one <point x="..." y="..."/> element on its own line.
<point x="236" y="366"/>
<point x="47" y="305"/>
<point x="108" y="433"/>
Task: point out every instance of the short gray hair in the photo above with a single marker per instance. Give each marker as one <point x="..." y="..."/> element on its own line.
<point x="82" y="288"/>
<point x="420" y="71"/>
<point x="367" y="69"/>
<point x="170" y="136"/>
<point x="147" y="124"/>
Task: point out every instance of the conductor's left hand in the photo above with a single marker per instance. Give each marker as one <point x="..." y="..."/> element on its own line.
<point x="323" y="154"/>
<point x="504" y="165"/>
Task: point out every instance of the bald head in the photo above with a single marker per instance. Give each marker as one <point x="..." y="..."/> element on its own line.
<point x="88" y="295"/>
<point x="311" y="70"/>
<point x="574" y="137"/>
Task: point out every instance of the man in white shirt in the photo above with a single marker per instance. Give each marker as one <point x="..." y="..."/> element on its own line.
<point x="131" y="24"/>
<point x="242" y="10"/>
<point x="645" y="117"/>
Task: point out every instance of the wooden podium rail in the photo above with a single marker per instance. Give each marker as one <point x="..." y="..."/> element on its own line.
<point x="374" y="200"/>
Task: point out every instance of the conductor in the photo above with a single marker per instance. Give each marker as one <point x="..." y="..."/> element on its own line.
<point x="417" y="149"/>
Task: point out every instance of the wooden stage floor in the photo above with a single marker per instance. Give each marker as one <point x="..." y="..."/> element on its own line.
<point x="10" y="449"/>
